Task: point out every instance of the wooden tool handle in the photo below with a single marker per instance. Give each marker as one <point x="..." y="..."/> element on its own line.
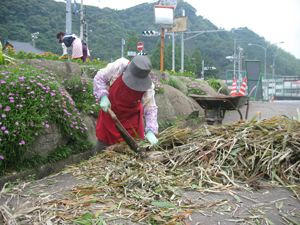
<point x="125" y="135"/>
<point x="112" y="114"/>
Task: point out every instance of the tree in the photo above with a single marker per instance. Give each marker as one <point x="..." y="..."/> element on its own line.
<point x="131" y="44"/>
<point x="208" y="62"/>
<point x="178" y="58"/>
<point x="109" y="26"/>
<point x="188" y="63"/>
<point x="155" y="56"/>
<point x="168" y="57"/>
<point x="196" y="56"/>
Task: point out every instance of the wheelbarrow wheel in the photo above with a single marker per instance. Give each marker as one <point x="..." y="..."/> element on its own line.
<point x="214" y="114"/>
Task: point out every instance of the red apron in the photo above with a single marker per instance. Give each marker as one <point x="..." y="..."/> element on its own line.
<point x="126" y="104"/>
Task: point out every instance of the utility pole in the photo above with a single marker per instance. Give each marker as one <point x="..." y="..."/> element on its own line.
<point x="68" y="24"/>
<point x="68" y="17"/>
<point x="173" y="51"/>
<point x="234" y="56"/>
<point x="274" y="79"/>
<point x="123" y="43"/>
<point x="240" y="62"/>
<point x="86" y="33"/>
<point x="81" y="20"/>
<point x="202" y="72"/>
<point x="182" y="46"/>
<point x="274" y="57"/>
<point x="162" y="48"/>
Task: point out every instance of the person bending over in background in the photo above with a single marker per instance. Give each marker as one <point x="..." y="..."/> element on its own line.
<point x="78" y="45"/>
<point x="130" y="96"/>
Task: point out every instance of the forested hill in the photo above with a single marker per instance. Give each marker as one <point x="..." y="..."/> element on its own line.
<point x="107" y="27"/>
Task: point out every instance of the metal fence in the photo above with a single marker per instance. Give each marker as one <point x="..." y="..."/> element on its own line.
<point x="287" y="86"/>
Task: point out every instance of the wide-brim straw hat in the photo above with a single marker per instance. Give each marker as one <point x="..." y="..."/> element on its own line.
<point x="137" y="74"/>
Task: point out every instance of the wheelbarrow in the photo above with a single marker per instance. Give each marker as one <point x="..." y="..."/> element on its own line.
<point x="219" y="104"/>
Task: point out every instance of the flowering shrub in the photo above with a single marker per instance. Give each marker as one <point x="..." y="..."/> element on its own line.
<point x="49" y="56"/>
<point x="30" y="99"/>
<point x="184" y="73"/>
<point x="5" y="59"/>
<point x="159" y="88"/>
<point x="81" y="89"/>
<point x="196" y="88"/>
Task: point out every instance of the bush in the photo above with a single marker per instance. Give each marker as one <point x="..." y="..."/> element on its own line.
<point x="81" y="90"/>
<point x="175" y="83"/>
<point x="195" y="88"/>
<point x="214" y="84"/>
<point x="159" y="86"/>
<point x="30" y="99"/>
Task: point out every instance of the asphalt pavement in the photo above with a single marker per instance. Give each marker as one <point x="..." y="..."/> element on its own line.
<point x="265" y="110"/>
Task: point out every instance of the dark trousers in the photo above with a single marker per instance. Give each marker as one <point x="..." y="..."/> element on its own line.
<point x="100" y="146"/>
<point x="84" y="53"/>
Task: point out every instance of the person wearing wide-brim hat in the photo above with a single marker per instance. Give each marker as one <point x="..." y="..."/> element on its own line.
<point x="79" y="47"/>
<point x="130" y="96"/>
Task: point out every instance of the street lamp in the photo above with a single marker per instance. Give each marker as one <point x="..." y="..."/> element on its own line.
<point x="265" y="48"/>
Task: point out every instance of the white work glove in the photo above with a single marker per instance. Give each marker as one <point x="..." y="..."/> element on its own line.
<point x="105" y="103"/>
<point x="150" y="136"/>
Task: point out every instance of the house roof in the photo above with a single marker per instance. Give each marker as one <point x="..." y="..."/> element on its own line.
<point x="24" y="46"/>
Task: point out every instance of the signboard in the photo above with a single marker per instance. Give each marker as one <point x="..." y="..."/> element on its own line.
<point x="140" y="46"/>
<point x="210" y="68"/>
<point x="130" y="53"/>
<point x="254" y="78"/>
<point x="179" y="25"/>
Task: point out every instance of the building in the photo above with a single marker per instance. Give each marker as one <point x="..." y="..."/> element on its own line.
<point x="23" y="46"/>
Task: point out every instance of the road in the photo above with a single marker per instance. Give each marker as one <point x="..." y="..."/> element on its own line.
<point x="266" y="109"/>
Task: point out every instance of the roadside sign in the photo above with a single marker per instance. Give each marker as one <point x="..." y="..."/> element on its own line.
<point x="140" y="46"/>
<point x="130" y="53"/>
<point x="210" y="68"/>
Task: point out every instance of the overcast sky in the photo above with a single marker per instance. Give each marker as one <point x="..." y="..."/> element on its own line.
<point x="275" y="20"/>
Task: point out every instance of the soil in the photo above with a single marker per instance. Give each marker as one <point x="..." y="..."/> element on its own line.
<point x="233" y="206"/>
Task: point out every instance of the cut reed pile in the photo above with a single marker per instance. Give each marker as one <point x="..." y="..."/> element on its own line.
<point x="148" y="190"/>
<point x="244" y="150"/>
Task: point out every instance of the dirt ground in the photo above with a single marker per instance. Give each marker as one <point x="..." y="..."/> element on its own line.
<point x="270" y="203"/>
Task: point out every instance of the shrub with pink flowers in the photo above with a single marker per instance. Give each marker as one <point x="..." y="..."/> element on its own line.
<point x="158" y="85"/>
<point x="81" y="89"/>
<point x="196" y="88"/>
<point x="30" y="99"/>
